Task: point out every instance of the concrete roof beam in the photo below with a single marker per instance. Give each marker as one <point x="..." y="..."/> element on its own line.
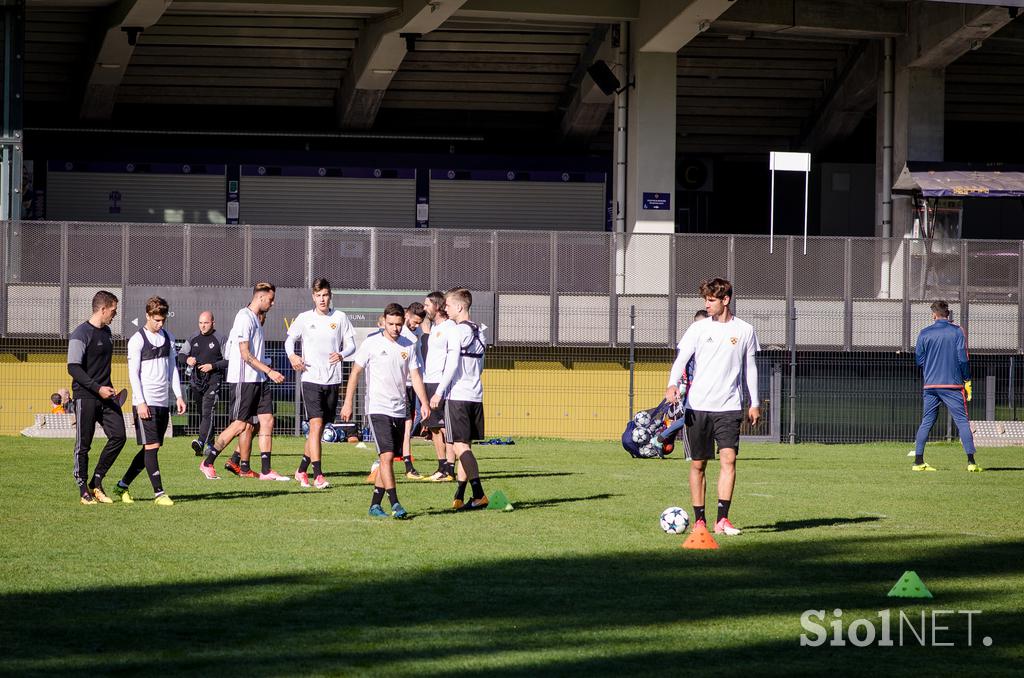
<point x="121" y="27"/>
<point x="378" y="56"/>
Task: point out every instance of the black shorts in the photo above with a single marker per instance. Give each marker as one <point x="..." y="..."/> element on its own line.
<point x="149" y="431"/>
<point x="388" y="433"/>
<point x="320" y="401"/>
<point x="464" y="421"/>
<point x="247" y="399"/>
<point x="705" y="429"/>
<point x="436" y="418"/>
<point x="410" y="403"/>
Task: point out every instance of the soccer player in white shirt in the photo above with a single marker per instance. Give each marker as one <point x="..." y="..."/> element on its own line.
<point x="414" y="315"/>
<point x="327" y="338"/>
<point x="388" y="359"/>
<point x="442" y="361"/>
<point x="152" y="370"/>
<point x="248" y="387"/>
<point x="722" y="346"/>
<point x="464" y="392"/>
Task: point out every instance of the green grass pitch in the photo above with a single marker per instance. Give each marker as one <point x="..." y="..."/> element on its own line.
<point x="252" y="578"/>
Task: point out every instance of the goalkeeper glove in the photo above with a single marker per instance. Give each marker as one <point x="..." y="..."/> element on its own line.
<point x="967" y="388"/>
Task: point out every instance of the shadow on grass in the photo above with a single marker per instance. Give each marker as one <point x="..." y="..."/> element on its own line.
<point x="553" y="474"/>
<point x="232" y="494"/>
<point x="525" y="617"/>
<point x="603" y="615"/>
<point x="787" y="525"/>
<point x="997" y="469"/>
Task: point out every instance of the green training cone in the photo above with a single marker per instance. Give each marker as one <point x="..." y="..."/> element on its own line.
<point x="910" y="586"/>
<point x="498" y="502"/>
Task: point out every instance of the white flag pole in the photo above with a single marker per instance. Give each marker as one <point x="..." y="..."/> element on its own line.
<point x="807" y="179"/>
<point x="771" y="227"/>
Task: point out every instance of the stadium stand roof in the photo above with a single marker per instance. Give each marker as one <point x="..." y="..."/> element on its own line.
<point x="772" y="74"/>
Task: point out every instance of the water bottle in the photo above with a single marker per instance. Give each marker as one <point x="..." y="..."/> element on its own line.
<point x="189" y="370"/>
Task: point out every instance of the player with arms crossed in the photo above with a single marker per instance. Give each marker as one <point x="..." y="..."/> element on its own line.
<point x="388" y="359"/>
<point x="441" y="362"/>
<point x="249" y="389"/>
<point x="327" y="338"/>
<point x="722" y="346"/>
<point x="153" y="373"/>
<point x="464" y="394"/>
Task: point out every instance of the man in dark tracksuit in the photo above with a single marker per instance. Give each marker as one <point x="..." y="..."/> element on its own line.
<point x="942" y="355"/>
<point x="90" y="350"/>
<point x="204" y="353"/>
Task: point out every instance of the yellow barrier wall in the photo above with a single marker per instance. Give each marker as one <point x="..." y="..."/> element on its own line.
<point x="27" y="380"/>
<point x="548" y="398"/>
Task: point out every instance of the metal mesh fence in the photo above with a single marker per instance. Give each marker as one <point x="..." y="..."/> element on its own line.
<point x="852" y="307"/>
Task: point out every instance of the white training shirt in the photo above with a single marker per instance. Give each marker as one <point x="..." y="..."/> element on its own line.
<point x="414" y="337"/>
<point x="442" y="352"/>
<point x="387" y="365"/>
<point x="321" y="335"/>
<point x="465" y="383"/>
<point x="150" y="379"/>
<point x="247" y="327"/>
<point x="721" y="351"/>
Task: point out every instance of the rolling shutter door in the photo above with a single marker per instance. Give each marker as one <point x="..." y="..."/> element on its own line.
<point x="541" y="205"/>
<point x="328" y="201"/>
<point x="136" y="197"/>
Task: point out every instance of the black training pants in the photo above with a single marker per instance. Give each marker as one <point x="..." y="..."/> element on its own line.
<point x="88" y="413"/>
<point x="204" y="401"/>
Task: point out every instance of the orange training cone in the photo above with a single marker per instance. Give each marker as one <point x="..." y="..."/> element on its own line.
<point x="700" y="538"/>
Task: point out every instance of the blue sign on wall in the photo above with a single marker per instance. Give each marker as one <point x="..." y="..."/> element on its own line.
<point x="657" y="201"/>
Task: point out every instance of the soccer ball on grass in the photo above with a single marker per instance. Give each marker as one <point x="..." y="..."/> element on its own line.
<point x="674" y="520"/>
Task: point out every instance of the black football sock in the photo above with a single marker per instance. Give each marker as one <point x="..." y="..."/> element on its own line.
<point x="393" y="495"/>
<point x="460" y="491"/>
<point x="265" y="462"/>
<point x="211" y="455"/>
<point x="970" y="458"/>
<point x="304" y="464"/>
<point x="723" y="508"/>
<point x="123" y="485"/>
<point x="442" y="466"/>
<point x="450" y="465"/>
<point x="317" y="472"/>
<point x="408" y="464"/>
<point x="698" y="513"/>
<point x="134" y="468"/>
<point x="244" y="465"/>
<point x="153" y="469"/>
<point x="918" y="460"/>
<point x="236" y="458"/>
<point x="378" y="496"/>
<point x="478" y="489"/>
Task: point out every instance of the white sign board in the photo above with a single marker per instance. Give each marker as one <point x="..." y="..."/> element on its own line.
<point x="782" y="161"/>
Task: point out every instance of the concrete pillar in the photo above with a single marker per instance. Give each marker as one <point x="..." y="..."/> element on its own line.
<point x="651" y="152"/>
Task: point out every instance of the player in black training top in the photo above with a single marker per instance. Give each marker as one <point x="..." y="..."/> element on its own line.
<point x="94" y="399"/>
<point x="204" y="353"/>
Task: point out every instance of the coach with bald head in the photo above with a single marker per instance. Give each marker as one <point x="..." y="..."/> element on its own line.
<point x="202" y="354"/>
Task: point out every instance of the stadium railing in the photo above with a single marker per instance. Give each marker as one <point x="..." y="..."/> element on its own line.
<point x="842" y="317"/>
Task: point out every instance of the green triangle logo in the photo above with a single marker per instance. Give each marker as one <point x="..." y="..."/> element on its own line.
<point x="910" y="586"/>
<point x="497" y="501"/>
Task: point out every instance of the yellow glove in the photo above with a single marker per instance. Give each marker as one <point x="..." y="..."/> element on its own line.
<point x="967" y="388"/>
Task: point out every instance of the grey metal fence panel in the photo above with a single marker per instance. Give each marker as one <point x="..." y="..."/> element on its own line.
<point x="216" y="256"/>
<point x="523" y="261"/>
<point x="403" y="259"/>
<point x="464" y="259"/>
<point x="155" y="254"/>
